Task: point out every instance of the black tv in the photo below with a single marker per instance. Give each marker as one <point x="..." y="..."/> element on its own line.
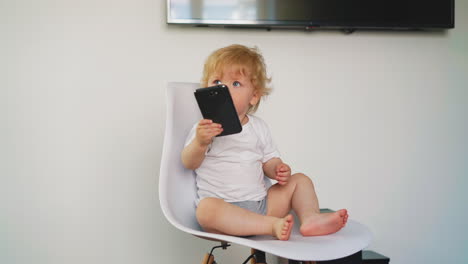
<point x="311" y="14"/>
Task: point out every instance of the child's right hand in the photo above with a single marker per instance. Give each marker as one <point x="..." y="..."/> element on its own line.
<point x="206" y="131"/>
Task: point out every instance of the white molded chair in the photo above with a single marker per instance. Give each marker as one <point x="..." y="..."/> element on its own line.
<point x="177" y="193"/>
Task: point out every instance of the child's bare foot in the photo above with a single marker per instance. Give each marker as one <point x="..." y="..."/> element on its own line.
<point x="282" y="228"/>
<point x="324" y="224"/>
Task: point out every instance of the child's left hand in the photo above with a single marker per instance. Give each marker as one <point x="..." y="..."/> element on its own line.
<point x="283" y="172"/>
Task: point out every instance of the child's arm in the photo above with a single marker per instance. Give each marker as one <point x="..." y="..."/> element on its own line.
<point x="194" y="153"/>
<point x="277" y="170"/>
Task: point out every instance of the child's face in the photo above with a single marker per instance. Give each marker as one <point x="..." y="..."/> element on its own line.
<point x="240" y="86"/>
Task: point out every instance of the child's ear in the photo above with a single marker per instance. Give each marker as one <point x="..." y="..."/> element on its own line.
<point x="255" y="99"/>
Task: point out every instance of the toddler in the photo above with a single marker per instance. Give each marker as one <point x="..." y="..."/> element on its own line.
<point x="232" y="196"/>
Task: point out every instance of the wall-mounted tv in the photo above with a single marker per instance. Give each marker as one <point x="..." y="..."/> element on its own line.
<point x="309" y="14"/>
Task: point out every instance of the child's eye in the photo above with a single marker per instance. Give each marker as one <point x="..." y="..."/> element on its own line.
<point x="217" y="82"/>
<point x="236" y="84"/>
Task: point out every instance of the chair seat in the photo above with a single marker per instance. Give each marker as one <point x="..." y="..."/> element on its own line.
<point x="349" y="240"/>
<point x="177" y="194"/>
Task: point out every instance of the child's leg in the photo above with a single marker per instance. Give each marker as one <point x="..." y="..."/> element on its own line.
<point x="299" y="194"/>
<point x="217" y="216"/>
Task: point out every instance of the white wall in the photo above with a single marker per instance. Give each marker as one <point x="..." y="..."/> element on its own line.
<point x="377" y="119"/>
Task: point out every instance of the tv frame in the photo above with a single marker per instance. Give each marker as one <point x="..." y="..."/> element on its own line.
<point x="294" y="24"/>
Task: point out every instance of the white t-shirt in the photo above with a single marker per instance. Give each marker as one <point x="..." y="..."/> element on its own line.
<point x="232" y="168"/>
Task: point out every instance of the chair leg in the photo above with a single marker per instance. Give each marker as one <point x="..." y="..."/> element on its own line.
<point x="208" y="259"/>
<point x="252" y="260"/>
<point x="301" y="262"/>
<point x="258" y="257"/>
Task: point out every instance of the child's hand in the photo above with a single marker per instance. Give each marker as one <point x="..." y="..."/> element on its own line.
<point x="206" y="130"/>
<point x="283" y="173"/>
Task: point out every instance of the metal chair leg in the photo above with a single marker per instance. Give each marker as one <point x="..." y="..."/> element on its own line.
<point x="209" y="258"/>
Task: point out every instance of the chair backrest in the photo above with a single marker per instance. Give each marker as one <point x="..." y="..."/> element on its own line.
<point x="177" y="189"/>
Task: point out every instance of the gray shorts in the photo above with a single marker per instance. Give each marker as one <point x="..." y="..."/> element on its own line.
<point x="259" y="207"/>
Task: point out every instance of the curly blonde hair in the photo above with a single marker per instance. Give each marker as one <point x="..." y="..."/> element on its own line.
<point x="248" y="61"/>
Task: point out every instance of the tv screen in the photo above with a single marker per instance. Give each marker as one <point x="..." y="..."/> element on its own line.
<point x="350" y="14"/>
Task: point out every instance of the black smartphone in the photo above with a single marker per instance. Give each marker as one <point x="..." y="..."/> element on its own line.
<point x="215" y="103"/>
